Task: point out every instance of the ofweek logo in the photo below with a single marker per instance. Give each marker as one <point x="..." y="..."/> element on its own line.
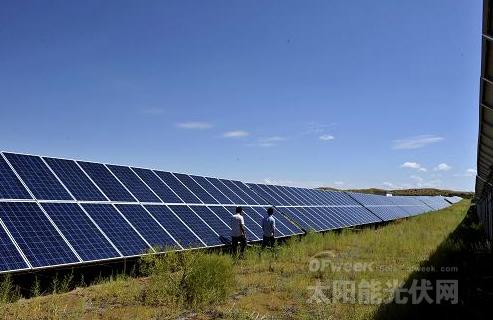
<point x="329" y="260"/>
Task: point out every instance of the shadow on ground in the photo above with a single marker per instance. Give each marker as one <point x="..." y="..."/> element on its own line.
<point x="465" y="256"/>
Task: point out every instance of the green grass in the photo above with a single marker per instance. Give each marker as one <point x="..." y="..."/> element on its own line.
<point x="263" y="285"/>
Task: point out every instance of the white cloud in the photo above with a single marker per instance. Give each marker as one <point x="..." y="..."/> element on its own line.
<point x="416" y="142"/>
<point x="326" y="137"/>
<point x="413" y="165"/>
<point x="273" y="139"/>
<point x="339" y="183"/>
<point x="194" y="125"/>
<point x="468" y="173"/>
<point x="236" y="134"/>
<point x="442" y="167"/>
<point x="388" y="184"/>
<point x="152" y="111"/>
<point x="267" y="142"/>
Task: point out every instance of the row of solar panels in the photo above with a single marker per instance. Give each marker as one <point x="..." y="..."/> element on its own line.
<point x="57" y="212"/>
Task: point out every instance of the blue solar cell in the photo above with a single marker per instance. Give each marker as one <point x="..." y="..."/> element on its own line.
<point x="196" y="188"/>
<point x="158" y="186"/>
<point x="133" y="183"/>
<point x="218" y="195"/>
<point x="300" y="199"/>
<point x="436" y="203"/>
<point x="75" y="180"/>
<point x="225" y="215"/>
<point x="220" y="227"/>
<point x="10" y="258"/>
<point x="265" y="194"/>
<point x="117" y="229"/>
<point x="334" y="198"/>
<point x="178" y="187"/>
<point x="361" y="215"/>
<point x="80" y="231"/>
<point x="239" y="192"/>
<point x="197" y="225"/>
<point x="111" y="187"/>
<point x="243" y="187"/>
<point x="38" y="177"/>
<point x="155" y="235"/>
<point x="288" y="194"/>
<point x="226" y="191"/>
<point x="10" y="186"/>
<point x="299" y="217"/>
<point x="334" y="217"/>
<point x="325" y="224"/>
<point x="35" y="235"/>
<point x="282" y="197"/>
<point x="174" y="226"/>
<point x="306" y="197"/>
<point x="387" y="213"/>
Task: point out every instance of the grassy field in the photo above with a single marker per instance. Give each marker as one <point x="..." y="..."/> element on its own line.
<point x="263" y="285"/>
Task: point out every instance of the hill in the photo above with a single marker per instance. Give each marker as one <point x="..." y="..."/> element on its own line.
<point x="411" y="192"/>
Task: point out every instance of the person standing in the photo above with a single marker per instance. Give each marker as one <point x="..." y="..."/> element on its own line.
<point x="238" y="232"/>
<point x="269" y="229"/>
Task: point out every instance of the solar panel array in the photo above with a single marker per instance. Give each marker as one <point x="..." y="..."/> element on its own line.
<point x="58" y="212"/>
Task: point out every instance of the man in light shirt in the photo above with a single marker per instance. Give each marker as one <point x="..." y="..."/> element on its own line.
<point x="269" y="229"/>
<point x="238" y="232"/>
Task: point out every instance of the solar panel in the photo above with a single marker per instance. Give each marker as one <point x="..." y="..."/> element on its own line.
<point x="288" y="193"/>
<point x="299" y="217"/>
<point x="36" y="236"/>
<point x="193" y="186"/>
<point x="111" y="187"/>
<point x="252" y="195"/>
<point x="157" y="185"/>
<point x="303" y="198"/>
<point x="38" y="178"/>
<point x="123" y="236"/>
<point x="186" y="195"/>
<point x="175" y="226"/>
<point x="199" y="227"/>
<point x="226" y="191"/>
<point x="212" y="190"/>
<point x="155" y="234"/>
<point x="10" y="258"/>
<point x="133" y="183"/>
<point x="94" y="212"/>
<point x="264" y="194"/>
<point x="75" y="180"/>
<point x="239" y="192"/>
<point x="220" y="226"/>
<point x="321" y="222"/>
<point x="10" y="186"/>
<point x="281" y="196"/>
<point x="80" y="231"/>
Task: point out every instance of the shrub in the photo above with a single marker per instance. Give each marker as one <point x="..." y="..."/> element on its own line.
<point x="191" y="278"/>
<point x="8" y="291"/>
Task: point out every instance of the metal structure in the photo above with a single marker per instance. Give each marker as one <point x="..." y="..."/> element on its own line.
<point x="484" y="178"/>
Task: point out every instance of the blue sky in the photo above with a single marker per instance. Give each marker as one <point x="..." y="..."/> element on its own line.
<point x="334" y="93"/>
